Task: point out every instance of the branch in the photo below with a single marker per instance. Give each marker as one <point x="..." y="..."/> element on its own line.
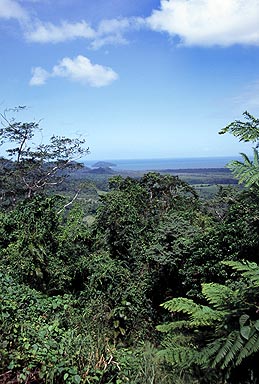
<point x="71" y="202"/>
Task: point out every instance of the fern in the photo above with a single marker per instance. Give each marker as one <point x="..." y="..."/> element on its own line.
<point x="249" y="270"/>
<point x="245" y="131"/>
<point x="181" y="356"/>
<point x="181" y="304"/>
<point x="227" y="352"/>
<point x="250" y="347"/>
<point x="230" y="335"/>
<point x="247" y="171"/>
<point x="206" y="316"/>
<point x="236" y="347"/>
<point x="217" y="294"/>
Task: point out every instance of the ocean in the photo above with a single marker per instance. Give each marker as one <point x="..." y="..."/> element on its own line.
<point x="159" y="164"/>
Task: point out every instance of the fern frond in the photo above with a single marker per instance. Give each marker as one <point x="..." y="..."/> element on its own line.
<point x="200" y="315"/>
<point x="251" y="346"/>
<point x="245" y="131"/>
<point x="182" y="357"/>
<point x="247" y="172"/>
<point x="217" y="294"/>
<point x="234" y="350"/>
<point x="177" y="339"/>
<point x="209" y="352"/>
<point x="256" y="157"/>
<point x="246" y="159"/>
<point x="205" y="316"/>
<point x="248" y="270"/>
<point x="181" y="304"/>
<point x="226" y="346"/>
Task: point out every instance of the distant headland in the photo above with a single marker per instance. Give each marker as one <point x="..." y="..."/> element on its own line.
<point x="103" y="164"/>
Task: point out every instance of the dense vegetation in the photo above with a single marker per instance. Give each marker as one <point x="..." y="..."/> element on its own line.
<point x="161" y="286"/>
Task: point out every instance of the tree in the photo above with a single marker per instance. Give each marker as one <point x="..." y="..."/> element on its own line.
<point x="131" y="211"/>
<point x="31" y="168"/>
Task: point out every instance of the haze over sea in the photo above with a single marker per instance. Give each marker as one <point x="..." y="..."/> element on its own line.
<point x="173" y="163"/>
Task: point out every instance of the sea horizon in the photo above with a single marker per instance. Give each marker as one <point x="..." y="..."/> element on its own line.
<point x="150" y="164"/>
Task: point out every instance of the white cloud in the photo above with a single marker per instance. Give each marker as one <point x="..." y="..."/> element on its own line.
<point x="50" y="33"/>
<point x="107" y="32"/>
<point x="10" y="9"/>
<point x="79" y="69"/>
<point x="99" y="42"/>
<point x="39" y="76"/>
<point x="112" y="31"/>
<point x="208" y="22"/>
<point x="194" y="22"/>
<point x="114" y="26"/>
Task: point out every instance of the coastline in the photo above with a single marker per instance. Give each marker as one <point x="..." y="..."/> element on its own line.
<point x="165" y="164"/>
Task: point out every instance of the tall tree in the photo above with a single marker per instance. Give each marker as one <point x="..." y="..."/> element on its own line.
<point x="31" y="168"/>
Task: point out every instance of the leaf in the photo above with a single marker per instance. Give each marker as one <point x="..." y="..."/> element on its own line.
<point x="243" y="319"/>
<point x="181" y="304"/>
<point x="217" y="294"/>
<point x="245" y="331"/>
<point x="244" y="130"/>
<point x="77" y="379"/>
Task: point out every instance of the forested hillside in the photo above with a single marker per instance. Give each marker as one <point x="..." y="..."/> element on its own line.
<point x="160" y="286"/>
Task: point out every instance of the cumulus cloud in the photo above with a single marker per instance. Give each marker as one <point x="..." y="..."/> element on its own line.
<point x="208" y="22"/>
<point x="79" y="69"/>
<point x="11" y="9"/>
<point x="194" y="22"/>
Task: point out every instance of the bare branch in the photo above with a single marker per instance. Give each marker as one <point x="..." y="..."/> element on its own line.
<point x="71" y="202"/>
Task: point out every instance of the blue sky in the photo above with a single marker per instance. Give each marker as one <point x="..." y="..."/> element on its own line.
<point x="136" y="78"/>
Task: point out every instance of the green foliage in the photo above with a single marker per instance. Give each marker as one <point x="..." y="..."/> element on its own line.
<point x="38" y="333"/>
<point x="38" y="249"/>
<point x="32" y="167"/>
<point x="247" y="172"/>
<point x="234" y="237"/>
<point x="130" y="213"/>
<point x="244" y="130"/>
<point x="78" y="302"/>
<point x="248" y="269"/>
<point x="58" y="339"/>
<point x="221" y="336"/>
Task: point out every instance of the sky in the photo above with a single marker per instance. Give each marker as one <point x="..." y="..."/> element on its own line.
<point x="135" y="78"/>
